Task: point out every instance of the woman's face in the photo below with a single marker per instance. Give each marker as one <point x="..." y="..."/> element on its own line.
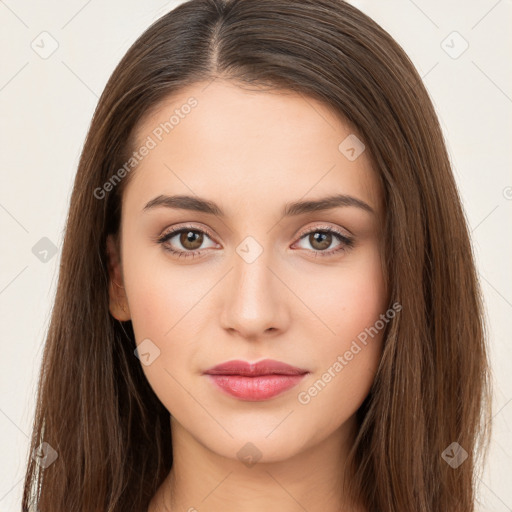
<point x="259" y="278"/>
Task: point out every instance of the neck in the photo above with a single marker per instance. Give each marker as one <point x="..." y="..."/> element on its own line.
<point x="313" y="479"/>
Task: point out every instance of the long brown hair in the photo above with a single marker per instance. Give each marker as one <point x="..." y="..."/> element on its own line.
<point x="95" y="407"/>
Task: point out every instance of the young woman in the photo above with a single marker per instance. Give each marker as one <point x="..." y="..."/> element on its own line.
<point x="267" y="296"/>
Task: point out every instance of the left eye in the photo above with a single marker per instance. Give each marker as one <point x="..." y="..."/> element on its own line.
<point x="191" y="240"/>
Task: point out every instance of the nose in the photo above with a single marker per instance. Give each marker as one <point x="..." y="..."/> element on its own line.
<point x="255" y="300"/>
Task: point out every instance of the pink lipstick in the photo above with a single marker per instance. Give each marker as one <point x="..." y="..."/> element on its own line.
<point x="255" y="381"/>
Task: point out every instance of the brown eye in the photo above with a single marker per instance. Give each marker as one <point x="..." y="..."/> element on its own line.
<point x="320" y="240"/>
<point x="186" y="242"/>
<point x="191" y="240"/>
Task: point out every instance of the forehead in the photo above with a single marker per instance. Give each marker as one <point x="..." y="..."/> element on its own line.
<point x="219" y="139"/>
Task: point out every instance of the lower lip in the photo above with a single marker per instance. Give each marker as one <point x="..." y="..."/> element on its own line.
<point x="255" y="388"/>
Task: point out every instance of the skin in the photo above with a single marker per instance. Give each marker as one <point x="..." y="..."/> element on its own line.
<point x="251" y="152"/>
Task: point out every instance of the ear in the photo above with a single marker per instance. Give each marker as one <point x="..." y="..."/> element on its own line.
<point x="118" y="303"/>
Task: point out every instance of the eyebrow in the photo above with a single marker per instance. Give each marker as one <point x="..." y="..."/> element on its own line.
<point x="198" y="204"/>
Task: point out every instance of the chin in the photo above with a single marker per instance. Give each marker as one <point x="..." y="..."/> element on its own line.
<point x="257" y="447"/>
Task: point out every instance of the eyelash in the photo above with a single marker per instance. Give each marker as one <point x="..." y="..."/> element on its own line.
<point x="346" y="242"/>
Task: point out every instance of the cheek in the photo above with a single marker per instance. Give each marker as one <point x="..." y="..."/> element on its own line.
<point x="351" y="307"/>
<point x="153" y="307"/>
<point x="162" y="309"/>
<point x="167" y="304"/>
<point x="349" y="298"/>
<point x="160" y="293"/>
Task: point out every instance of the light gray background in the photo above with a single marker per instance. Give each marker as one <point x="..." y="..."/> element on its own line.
<point x="46" y="107"/>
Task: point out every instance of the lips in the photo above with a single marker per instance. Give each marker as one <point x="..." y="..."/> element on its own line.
<point x="255" y="381"/>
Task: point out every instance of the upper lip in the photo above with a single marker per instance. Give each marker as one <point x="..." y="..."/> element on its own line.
<point x="264" y="367"/>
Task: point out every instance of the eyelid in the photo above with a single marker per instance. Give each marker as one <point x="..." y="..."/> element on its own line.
<point x="175" y="229"/>
<point x="324" y="227"/>
<point x="180" y="227"/>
